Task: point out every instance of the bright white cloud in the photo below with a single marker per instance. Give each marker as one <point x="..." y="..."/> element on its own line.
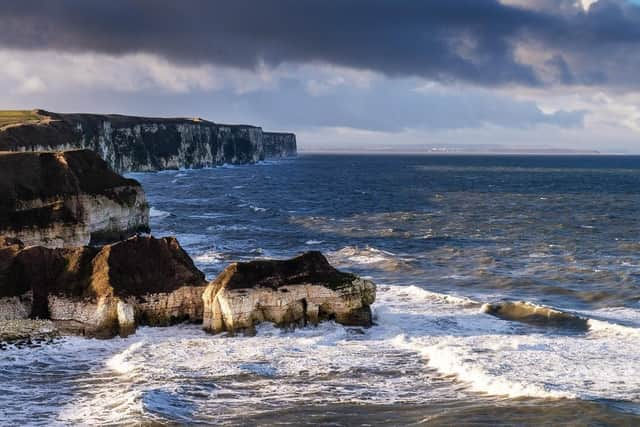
<point x="35" y="71"/>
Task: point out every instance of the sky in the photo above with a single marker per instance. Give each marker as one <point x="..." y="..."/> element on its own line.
<point x="342" y="74"/>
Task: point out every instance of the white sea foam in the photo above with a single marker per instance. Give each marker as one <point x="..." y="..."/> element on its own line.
<point x="449" y="357"/>
<point x="424" y="345"/>
<point x="621" y="322"/>
<point x="209" y="215"/>
<point x="157" y="213"/>
<point x="505" y="358"/>
<point x="209" y="257"/>
<point x="367" y="256"/>
<point x="120" y="363"/>
<point x="313" y="242"/>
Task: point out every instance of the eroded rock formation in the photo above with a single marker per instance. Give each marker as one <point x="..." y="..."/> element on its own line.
<point x="101" y="291"/>
<point x="148" y="144"/>
<point x="526" y="312"/>
<point x="67" y="199"/>
<point x="305" y="289"/>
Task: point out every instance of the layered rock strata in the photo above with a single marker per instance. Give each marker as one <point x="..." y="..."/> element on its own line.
<point x="299" y="291"/>
<point x="101" y="292"/>
<point x="148" y="144"/>
<point x="68" y="199"/>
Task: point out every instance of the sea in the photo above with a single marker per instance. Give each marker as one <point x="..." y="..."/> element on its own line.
<point x="440" y="235"/>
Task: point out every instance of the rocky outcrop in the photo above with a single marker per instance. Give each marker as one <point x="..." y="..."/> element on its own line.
<point x="147" y="144"/>
<point x="302" y="290"/>
<point x="103" y="291"/>
<point x="67" y="199"/>
<point x="526" y="312"/>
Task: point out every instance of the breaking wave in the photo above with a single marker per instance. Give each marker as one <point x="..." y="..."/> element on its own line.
<point x="353" y="256"/>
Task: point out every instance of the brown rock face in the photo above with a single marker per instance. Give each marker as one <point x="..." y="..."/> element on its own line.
<point x="67" y="199"/>
<point x="305" y="289"/>
<point x="101" y="291"/>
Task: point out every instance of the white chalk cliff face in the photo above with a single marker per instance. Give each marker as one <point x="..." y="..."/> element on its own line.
<point x="67" y="199"/>
<point x="300" y="291"/>
<point x="149" y="144"/>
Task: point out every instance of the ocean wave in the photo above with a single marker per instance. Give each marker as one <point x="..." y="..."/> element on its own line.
<point x="389" y="224"/>
<point x="426" y="346"/>
<point x="158" y="214"/>
<point x="313" y="242"/>
<point x="209" y="257"/>
<point x="499" y="357"/>
<point x="451" y="358"/>
<point x="353" y="256"/>
<point x="601" y="323"/>
<point x="523" y="311"/>
<point x="209" y="215"/>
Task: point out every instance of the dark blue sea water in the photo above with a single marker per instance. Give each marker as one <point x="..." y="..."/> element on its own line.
<point x="441" y="235"/>
<point x="557" y="230"/>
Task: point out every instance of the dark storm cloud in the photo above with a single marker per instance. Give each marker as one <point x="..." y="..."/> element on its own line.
<point x="467" y="40"/>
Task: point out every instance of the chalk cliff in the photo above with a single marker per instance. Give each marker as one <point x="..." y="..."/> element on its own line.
<point x="67" y="199"/>
<point x="148" y="144"/>
<point x="102" y="291"/>
<point x="303" y="290"/>
<point x="279" y="145"/>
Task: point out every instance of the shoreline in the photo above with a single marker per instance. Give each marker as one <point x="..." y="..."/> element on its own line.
<point x="28" y="332"/>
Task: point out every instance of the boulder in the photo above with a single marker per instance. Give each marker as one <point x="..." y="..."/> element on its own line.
<point x="303" y="290"/>
<point x="526" y="312"/>
<point x="68" y="199"/>
<point x="102" y="291"/>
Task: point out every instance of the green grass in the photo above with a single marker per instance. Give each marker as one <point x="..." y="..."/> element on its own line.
<point x="14" y="117"/>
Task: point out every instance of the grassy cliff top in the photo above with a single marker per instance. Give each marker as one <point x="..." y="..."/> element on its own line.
<point x="15" y="117"/>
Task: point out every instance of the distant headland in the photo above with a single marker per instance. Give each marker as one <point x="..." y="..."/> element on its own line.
<point x="138" y="144"/>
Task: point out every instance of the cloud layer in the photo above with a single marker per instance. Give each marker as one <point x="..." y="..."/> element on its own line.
<point x="484" y="42"/>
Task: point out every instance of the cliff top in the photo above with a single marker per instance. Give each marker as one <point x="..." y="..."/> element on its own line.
<point x="40" y="175"/>
<point x="18" y="117"/>
<point x="21" y="117"/>
<point x="119" y="120"/>
<point x="310" y="267"/>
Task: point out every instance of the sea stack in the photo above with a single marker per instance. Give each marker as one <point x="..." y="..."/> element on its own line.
<point x="67" y="199"/>
<point x="299" y="291"/>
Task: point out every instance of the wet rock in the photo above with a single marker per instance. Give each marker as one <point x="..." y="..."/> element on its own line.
<point x="526" y="312"/>
<point x="27" y="332"/>
<point x="148" y="144"/>
<point x="104" y="291"/>
<point x="299" y="291"/>
<point x="67" y="199"/>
